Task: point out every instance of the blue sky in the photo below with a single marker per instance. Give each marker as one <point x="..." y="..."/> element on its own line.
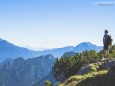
<point x="55" y="23"/>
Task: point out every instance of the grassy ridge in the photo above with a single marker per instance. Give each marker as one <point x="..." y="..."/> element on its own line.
<point x="100" y="78"/>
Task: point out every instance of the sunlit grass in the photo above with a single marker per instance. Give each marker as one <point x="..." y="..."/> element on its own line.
<point x="75" y="80"/>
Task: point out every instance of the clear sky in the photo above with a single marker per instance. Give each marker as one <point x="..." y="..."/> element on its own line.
<point x="55" y="23"/>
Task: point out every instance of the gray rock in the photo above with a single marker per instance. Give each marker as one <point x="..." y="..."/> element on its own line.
<point x="107" y="64"/>
<point x="84" y="69"/>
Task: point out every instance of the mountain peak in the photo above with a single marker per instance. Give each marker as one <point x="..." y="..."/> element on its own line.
<point x="89" y="43"/>
<point x="86" y="46"/>
<point x="1" y="39"/>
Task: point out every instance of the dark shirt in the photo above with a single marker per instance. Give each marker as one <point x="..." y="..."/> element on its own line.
<point x="105" y="38"/>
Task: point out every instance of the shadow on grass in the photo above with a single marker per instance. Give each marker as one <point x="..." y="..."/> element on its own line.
<point x="99" y="80"/>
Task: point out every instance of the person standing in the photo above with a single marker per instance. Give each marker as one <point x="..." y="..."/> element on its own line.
<point x="107" y="41"/>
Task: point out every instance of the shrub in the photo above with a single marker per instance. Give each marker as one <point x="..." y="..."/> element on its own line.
<point x="48" y="83"/>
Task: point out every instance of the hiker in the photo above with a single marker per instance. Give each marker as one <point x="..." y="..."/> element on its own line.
<point x="107" y="41"/>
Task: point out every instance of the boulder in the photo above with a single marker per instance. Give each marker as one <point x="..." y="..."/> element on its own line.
<point x="107" y="64"/>
<point x="88" y="68"/>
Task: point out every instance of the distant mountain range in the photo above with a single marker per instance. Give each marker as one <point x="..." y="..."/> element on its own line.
<point x="20" y="72"/>
<point x="9" y="50"/>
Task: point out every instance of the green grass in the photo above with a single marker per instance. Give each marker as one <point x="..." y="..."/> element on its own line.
<point x="91" y="79"/>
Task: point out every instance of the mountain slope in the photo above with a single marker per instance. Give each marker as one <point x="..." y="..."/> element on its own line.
<point x="92" y="79"/>
<point x="100" y="73"/>
<point x="8" y="50"/>
<point x="50" y="77"/>
<point x="20" y="72"/>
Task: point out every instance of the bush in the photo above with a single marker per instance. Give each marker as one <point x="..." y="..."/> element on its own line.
<point x="48" y="83"/>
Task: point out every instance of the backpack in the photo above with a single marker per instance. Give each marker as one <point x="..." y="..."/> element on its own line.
<point x="109" y="40"/>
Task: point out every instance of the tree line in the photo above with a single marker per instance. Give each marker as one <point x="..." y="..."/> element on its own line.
<point x="67" y="66"/>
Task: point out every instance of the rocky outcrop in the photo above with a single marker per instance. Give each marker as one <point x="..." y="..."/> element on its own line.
<point x="107" y="64"/>
<point x="104" y="64"/>
<point x="88" y="68"/>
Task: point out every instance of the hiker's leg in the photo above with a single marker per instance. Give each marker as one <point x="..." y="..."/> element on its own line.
<point x="107" y="53"/>
<point x="106" y="50"/>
